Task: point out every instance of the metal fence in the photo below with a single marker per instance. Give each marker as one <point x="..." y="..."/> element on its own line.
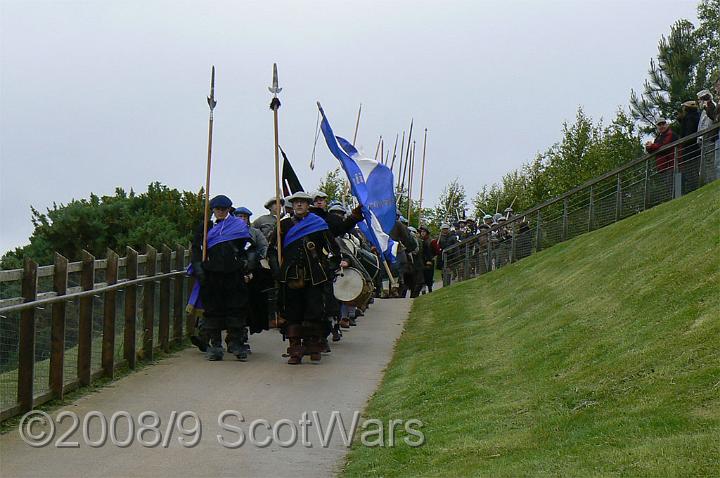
<point x="64" y="325"/>
<point x="677" y="169"/>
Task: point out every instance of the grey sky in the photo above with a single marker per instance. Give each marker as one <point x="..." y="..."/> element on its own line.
<point x="99" y="94"/>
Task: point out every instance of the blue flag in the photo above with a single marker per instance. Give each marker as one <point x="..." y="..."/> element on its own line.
<point x="372" y="185"/>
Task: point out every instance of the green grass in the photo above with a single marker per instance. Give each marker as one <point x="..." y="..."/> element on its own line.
<point x="597" y="357"/>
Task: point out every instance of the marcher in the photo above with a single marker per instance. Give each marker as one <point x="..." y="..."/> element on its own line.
<point x="266" y="223"/>
<point x="222" y="279"/>
<point x="427" y="255"/>
<point x="261" y="284"/>
<point x="310" y="260"/>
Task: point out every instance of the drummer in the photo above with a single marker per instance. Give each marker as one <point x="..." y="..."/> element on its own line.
<point x="338" y="224"/>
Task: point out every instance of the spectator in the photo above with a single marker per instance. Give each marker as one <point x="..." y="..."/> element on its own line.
<point x="689" y="153"/>
<point x="664" y="137"/>
<point x="689" y="118"/>
<point x="708" y="109"/>
<point x="717" y="92"/>
<point x="708" y="116"/>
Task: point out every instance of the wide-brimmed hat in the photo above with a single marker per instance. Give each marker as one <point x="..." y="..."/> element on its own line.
<point x="300" y="196"/>
<point x="271" y="201"/>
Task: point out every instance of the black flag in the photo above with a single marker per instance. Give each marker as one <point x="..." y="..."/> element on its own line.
<point x="290" y="182"/>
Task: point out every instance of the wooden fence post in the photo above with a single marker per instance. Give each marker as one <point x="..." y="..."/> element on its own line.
<point x="130" y="334"/>
<point x="57" y="333"/>
<point x="164" y="325"/>
<point x="26" y="346"/>
<point x="87" y="282"/>
<point x="178" y="295"/>
<point x="149" y="303"/>
<point x="109" y="312"/>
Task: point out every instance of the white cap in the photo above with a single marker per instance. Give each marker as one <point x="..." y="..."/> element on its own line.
<point x="705" y="93"/>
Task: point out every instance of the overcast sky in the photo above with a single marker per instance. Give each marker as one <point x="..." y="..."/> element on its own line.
<point x="99" y="94"/>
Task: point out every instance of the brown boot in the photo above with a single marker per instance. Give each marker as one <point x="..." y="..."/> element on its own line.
<point x="314" y="346"/>
<point x="345" y="323"/>
<point x="295" y="350"/>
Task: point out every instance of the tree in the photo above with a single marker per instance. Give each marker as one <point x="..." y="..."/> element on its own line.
<point x="159" y="216"/>
<point x="673" y="78"/>
<point x="333" y="184"/>
<point x="451" y="205"/>
<point x="708" y="39"/>
<point x="585" y="151"/>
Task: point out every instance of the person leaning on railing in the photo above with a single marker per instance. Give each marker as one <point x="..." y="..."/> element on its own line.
<point x="709" y="114"/>
<point x="664" y="137"/>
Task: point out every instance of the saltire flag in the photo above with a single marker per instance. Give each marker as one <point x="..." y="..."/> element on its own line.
<point x="290" y="182"/>
<point x="372" y="185"/>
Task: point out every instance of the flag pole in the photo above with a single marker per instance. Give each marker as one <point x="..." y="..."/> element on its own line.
<point x="275" y="106"/>
<point x="211" y="103"/>
<point x="422" y="179"/>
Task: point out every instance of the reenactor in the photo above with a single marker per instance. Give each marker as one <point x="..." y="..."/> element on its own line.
<point x="222" y="277"/>
<point x="266" y="223"/>
<point x="310" y="260"/>
<point x="261" y="284"/>
<point x="426" y="256"/>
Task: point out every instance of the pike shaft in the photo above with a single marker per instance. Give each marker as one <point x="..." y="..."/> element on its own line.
<point x="277" y="185"/>
<point x="207" y="187"/>
<point x="422" y="179"/>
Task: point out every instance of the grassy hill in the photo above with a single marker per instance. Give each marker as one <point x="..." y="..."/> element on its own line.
<point x="599" y="356"/>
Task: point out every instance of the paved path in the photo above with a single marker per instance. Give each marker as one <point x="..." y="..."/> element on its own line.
<point x="264" y="387"/>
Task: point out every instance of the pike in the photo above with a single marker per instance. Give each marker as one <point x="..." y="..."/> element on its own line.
<point x="346" y="187"/>
<point x="275" y="106"/>
<point x="378" y="147"/>
<point x="211" y="103"/>
<point x="422" y="180"/>
<point x="357" y="124"/>
<point x="410" y="181"/>
<point x="402" y="145"/>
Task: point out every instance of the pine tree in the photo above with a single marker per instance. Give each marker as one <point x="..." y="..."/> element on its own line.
<point x="673" y="78"/>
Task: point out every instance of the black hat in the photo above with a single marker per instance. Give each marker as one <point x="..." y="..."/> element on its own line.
<point x="220" y="201"/>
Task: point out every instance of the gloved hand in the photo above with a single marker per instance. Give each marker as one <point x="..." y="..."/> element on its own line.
<point x="357" y="212"/>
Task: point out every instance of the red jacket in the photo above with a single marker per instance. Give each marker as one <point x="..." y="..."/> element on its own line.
<point x="667" y="159"/>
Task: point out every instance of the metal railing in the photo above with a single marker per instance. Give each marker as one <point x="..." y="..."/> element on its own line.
<point x="674" y="170"/>
<point x="64" y="325"/>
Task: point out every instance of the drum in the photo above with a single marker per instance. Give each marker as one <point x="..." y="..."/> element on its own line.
<point x="362" y="301"/>
<point x="369" y="261"/>
<point x="349" y="285"/>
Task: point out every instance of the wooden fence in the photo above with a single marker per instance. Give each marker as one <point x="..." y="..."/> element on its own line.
<point x="142" y="302"/>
